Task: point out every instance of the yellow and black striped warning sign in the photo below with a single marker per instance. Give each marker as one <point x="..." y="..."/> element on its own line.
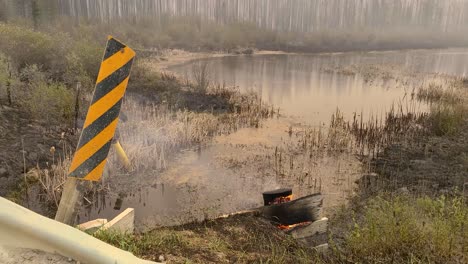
<point x="103" y="114"/>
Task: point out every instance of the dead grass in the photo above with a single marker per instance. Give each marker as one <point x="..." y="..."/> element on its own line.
<point x="451" y="93"/>
<point x="153" y="132"/>
<point x="52" y="178"/>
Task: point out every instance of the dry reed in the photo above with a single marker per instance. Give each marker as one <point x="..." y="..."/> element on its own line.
<point x="155" y="131"/>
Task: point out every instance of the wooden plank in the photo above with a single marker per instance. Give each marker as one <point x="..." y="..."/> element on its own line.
<point x="251" y="212"/>
<point x="97" y="223"/>
<point x="297" y="211"/>
<point x="124" y="222"/>
<point x="315" y="228"/>
<point x="71" y="201"/>
<point x="322" y="248"/>
<point x="314" y="240"/>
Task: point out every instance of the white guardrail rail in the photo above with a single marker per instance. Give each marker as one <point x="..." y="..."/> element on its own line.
<point x="22" y="228"/>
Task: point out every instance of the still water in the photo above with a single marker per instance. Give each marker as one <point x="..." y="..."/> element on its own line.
<point x="314" y="86"/>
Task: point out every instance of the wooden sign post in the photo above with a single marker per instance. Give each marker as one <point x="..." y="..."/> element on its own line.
<point x="99" y="128"/>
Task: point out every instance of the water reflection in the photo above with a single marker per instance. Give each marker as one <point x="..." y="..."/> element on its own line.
<point x="303" y="85"/>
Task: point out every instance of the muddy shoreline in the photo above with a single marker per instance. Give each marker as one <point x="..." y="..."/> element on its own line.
<point x="174" y="57"/>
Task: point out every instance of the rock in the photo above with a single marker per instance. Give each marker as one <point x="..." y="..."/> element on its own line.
<point x="3" y="172"/>
<point x="322" y="249"/>
<point x="403" y="191"/>
<point x="161" y="258"/>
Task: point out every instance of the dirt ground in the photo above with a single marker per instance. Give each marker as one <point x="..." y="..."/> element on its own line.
<point x="432" y="165"/>
<point x="26" y="143"/>
<point x="26" y="256"/>
<point x="172" y="57"/>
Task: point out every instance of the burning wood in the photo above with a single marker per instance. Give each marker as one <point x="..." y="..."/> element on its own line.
<point x="299" y="218"/>
<point x="277" y="196"/>
<point x="291" y="227"/>
<point x="302" y="210"/>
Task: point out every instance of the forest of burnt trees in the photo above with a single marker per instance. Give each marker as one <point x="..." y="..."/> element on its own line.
<point x="284" y="15"/>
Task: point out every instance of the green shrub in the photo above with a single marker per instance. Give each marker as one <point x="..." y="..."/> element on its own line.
<point x="446" y="119"/>
<point x="32" y="74"/>
<point x="26" y="47"/>
<point x="83" y="62"/>
<point x="64" y="59"/>
<point x="409" y="230"/>
<point x="50" y="102"/>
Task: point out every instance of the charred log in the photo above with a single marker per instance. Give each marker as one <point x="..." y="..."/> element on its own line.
<point x="305" y="209"/>
<point x="271" y="196"/>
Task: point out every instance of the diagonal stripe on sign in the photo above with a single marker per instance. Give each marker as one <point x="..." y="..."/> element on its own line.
<point x="103" y="105"/>
<point x="113" y="46"/>
<point x="101" y="121"/>
<point x="95" y="174"/>
<point x="90" y="164"/>
<point x="97" y="126"/>
<point x="85" y="152"/>
<point x="106" y="85"/>
<point x="115" y="62"/>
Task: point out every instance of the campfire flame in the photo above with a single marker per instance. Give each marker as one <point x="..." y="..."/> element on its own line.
<point x="285" y="199"/>
<point x="282" y="199"/>
<point x="287" y="227"/>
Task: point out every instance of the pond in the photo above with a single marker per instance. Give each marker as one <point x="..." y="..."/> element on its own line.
<point x="314" y="86"/>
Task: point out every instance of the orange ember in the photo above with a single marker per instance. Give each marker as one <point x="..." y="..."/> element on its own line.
<point x="282" y="199"/>
<point x="285" y="199"/>
<point x="287" y="227"/>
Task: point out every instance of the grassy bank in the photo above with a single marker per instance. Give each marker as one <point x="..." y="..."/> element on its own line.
<point x="240" y="239"/>
<point x="388" y="229"/>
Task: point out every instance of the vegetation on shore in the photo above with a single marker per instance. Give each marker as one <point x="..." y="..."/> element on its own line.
<point x="388" y="229"/>
<point x="197" y="33"/>
<point x="239" y="239"/>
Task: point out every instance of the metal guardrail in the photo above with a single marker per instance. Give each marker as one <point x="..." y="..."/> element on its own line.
<point x="22" y="228"/>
